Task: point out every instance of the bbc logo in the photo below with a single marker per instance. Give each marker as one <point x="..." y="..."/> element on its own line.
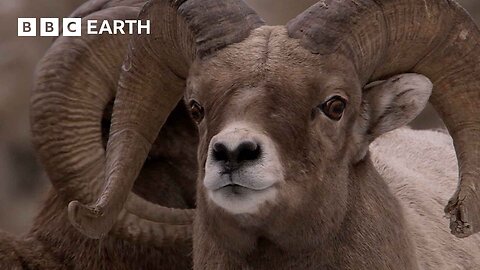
<point x="72" y="27"/>
<point x="49" y="27"/>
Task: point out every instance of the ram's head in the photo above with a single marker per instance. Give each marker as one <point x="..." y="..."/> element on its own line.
<point x="276" y="104"/>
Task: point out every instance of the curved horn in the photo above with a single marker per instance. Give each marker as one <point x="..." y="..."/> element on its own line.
<point x="151" y="84"/>
<point x="139" y="230"/>
<point x="436" y="38"/>
<point x="75" y="81"/>
<point x="157" y="213"/>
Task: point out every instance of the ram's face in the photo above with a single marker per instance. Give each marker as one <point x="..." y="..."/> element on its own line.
<point x="272" y="121"/>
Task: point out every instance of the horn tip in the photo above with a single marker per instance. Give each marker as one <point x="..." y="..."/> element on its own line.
<point x="463" y="209"/>
<point x="83" y="219"/>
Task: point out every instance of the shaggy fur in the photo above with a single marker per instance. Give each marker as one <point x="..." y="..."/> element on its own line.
<point x="420" y="169"/>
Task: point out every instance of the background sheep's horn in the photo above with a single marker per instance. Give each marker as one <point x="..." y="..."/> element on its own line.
<point x="151" y="84"/>
<point x="436" y="38"/>
<point x="74" y="84"/>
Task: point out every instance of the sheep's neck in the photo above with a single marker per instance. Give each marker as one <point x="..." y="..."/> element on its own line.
<point x="372" y="235"/>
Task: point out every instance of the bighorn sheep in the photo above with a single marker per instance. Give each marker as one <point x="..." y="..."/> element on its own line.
<point x="76" y="81"/>
<point x="284" y="133"/>
<point x="284" y="128"/>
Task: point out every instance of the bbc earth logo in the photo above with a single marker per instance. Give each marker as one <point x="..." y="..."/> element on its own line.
<point x="73" y="27"/>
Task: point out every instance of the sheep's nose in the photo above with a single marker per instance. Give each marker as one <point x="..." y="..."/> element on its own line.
<point x="237" y="155"/>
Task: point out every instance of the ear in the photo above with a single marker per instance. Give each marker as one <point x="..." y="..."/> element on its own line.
<point x="393" y="103"/>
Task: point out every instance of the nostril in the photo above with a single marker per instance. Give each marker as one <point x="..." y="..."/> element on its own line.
<point x="248" y="151"/>
<point x="245" y="151"/>
<point x="220" y="152"/>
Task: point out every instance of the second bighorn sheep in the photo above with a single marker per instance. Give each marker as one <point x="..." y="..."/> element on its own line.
<point x="76" y="80"/>
<point x="285" y="126"/>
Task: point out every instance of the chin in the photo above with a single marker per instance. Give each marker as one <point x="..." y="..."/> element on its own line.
<point x="241" y="200"/>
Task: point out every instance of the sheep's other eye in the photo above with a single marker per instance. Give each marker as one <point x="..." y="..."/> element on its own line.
<point x="334" y="107"/>
<point x="196" y="111"/>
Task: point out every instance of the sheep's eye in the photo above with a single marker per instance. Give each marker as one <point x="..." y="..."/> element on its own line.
<point x="334" y="107"/>
<point x="196" y="111"/>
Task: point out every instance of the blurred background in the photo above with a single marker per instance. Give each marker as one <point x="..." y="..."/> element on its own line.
<point x="22" y="181"/>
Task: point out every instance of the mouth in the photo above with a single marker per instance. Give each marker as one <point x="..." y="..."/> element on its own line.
<point x="237" y="188"/>
<point x="234" y="189"/>
<point x="241" y="199"/>
<point x="243" y="181"/>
